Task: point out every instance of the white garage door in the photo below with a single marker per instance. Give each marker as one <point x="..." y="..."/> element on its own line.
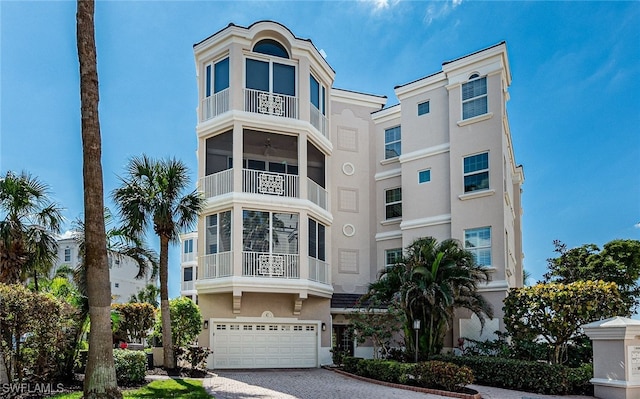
<point x="264" y="345"/>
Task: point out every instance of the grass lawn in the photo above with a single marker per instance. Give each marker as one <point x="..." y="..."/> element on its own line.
<point x="173" y="388"/>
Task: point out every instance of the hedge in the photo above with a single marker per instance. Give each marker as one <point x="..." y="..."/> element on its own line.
<point x="538" y="377"/>
<point x="431" y="374"/>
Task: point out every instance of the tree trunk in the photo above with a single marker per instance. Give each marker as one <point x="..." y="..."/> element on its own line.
<point x="167" y="341"/>
<point x="100" y="374"/>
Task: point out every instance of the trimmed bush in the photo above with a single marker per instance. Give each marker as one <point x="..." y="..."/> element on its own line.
<point x="543" y="378"/>
<point x="432" y="374"/>
<point x="441" y="374"/>
<point x="131" y="366"/>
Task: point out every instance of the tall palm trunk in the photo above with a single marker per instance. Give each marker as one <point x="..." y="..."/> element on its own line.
<point x="167" y="341"/>
<point x="100" y="375"/>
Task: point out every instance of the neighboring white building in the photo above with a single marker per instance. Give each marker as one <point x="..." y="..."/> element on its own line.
<point x="122" y="269"/>
<point x="312" y="190"/>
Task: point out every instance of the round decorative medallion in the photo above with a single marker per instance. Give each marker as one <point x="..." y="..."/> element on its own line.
<point x="348" y="230"/>
<point x="267" y="314"/>
<point x="348" y="168"/>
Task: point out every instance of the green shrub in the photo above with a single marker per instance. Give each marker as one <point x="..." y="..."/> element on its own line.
<point x="439" y="374"/>
<point x="350" y="364"/>
<point x="543" y="378"/>
<point x="131" y="366"/>
<point x="579" y="378"/>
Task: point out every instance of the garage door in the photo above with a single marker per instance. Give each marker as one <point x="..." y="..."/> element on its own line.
<point x="263" y="345"/>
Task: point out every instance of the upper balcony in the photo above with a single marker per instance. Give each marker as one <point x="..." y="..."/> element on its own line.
<point x="269" y="166"/>
<point x="270" y="82"/>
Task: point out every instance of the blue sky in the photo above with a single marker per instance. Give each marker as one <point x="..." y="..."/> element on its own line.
<point x="574" y="108"/>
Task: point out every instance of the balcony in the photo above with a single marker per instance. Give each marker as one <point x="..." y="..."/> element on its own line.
<point x="187" y="257"/>
<point x="317" y="194"/>
<point x="215" y="105"/>
<point x="319" y="271"/>
<point x="263" y="102"/>
<point x="217" y="183"/>
<point x="187" y="286"/>
<point x="319" y="121"/>
<point x="218" y="265"/>
<point x="259" y="182"/>
<point x="262" y="264"/>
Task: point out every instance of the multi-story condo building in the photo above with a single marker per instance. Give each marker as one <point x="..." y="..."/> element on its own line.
<point x="312" y="190"/>
<point x="122" y="269"/>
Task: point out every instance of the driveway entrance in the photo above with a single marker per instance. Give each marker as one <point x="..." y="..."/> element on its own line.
<point x="300" y="384"/>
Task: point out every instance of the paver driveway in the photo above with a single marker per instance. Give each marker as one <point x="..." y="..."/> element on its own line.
<point x="300" y="384"/>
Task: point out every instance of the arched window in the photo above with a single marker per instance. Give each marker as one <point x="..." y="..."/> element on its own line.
<point x="270" y="47"/>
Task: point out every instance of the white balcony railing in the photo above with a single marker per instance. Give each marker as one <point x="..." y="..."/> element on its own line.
<point x="215" y="105"/>
<point x="318" y="120"/>
<point x="188" y="257"/>
<point x="187" y="286"/>
<point x="218" y="265"/>
<point x="317" y="194"/>
<point x="261" y="264"/>
<point x="259" y="182"/>
<point x="319" y="271"/>
<point x="263" y="102"/>
<point x="217" y="183"/>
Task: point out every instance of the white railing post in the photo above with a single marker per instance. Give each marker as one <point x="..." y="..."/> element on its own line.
<point x="217" y="183"/>
<point x="215" y="105"/>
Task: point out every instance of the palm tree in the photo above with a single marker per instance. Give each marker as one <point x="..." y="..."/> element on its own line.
<point x="27" y="230"/>
<point x="100" y="374"/>
<point x="148" y="294"/>
<point x="152" y="195"/>
<point x="429" y="284"/>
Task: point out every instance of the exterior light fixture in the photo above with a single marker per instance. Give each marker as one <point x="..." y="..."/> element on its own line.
<point x="416" y="326"/>
<point x="205" y="325"/>
<point x="324" y="327"/>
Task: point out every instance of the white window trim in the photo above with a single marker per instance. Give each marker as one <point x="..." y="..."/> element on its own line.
<point x="270" y="61"/>
<point x="473" y="98"/>
<point x="392" y="142"/>
<point x="212" y="64"/>
<point x="386" y="204"/>
<point x="490" y="246"/>
<point x="418" y="107"/>
<point x="475" y="119"/>
<point x="424" y="170"/>
<point x="386" y="257"/>
<point x="475" y="172"/>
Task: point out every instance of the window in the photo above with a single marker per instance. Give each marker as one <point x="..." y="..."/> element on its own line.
<point x="269" y="76"/>
<point x="188" y="274"/>
<point x="392" y="256"/>
<point x="219" y="79"/>
<point x="188" y="246"/>
<point x="270" y="232"/>
<point x="318" y="95"/>
<point x="424" y="176"/>
<point x="393" y="203"/>
<point x="423" y="108"/>
<point x="270" y="47"/>
<point x="392" y="142"/>
<point x="476" y="172"/>
<point x="218" y="233"/>
<point x="478" y="242"/>
<point x="67" y="254"/>
<point x="316" y="240"/>
<point x="117" y="285"/>
<point x="474" y="97"/>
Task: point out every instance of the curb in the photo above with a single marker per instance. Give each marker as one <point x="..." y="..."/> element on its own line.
<point x="449" y="394"/>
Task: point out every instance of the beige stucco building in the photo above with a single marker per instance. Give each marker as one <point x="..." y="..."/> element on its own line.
<point x="311" y="190"/>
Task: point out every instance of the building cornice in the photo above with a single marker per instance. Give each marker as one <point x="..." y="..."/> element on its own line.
<point x="425" y="152"/>
<point x="360" y="99"/>
<point x="425" y="222"/>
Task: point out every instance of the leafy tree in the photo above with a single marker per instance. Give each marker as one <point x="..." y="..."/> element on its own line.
<point x="186" y="322"/>
<point x="100" y="376"/>
<point x="618" y="262"/>
<point x="151" y="194"/>
<point x="556" y="311"/>
<point x="28" y="224"/>
<point x="379" y="327"/>
<point x="432" y="280"/>
<point x="136" y="319"/>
